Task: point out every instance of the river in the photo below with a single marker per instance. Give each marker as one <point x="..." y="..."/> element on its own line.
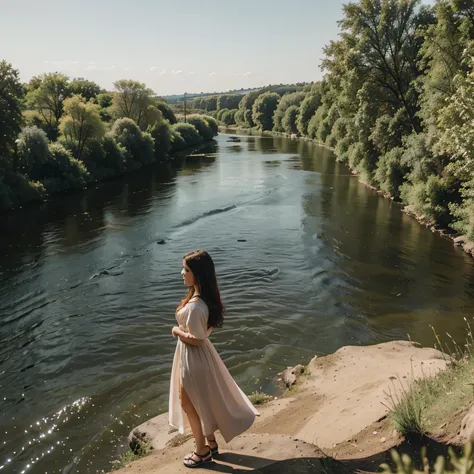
<point x="308" y="261"/>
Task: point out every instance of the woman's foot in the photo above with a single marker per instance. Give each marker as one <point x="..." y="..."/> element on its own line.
<point x="197" y="459"/>
<point x="213" y="445"/>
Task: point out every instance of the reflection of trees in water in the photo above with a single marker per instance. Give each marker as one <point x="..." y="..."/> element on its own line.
<point x="205" y="157"/>
<point x="71" y="219"/>
<point x="20" y="242"/>
<point x="401" y="267"/>
<point x="252" y="143"/>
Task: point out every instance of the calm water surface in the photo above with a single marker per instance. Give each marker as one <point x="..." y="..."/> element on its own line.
<point x="308" y="261"/>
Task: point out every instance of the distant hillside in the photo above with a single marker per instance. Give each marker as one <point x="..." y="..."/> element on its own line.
<point x="176" y="99"/>
<point x="280" y="88"/>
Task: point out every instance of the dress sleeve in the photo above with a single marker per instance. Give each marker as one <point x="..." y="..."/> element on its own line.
<point x="197" y="322"/>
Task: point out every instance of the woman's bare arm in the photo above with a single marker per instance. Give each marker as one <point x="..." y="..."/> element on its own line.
<point x="186" y="337"/>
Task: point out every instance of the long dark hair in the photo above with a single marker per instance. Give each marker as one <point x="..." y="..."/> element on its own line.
<point x="202" y="266"/>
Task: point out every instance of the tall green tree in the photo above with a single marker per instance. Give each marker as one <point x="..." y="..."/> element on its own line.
<point x="384" y="46"/>
<point x="133" y="100"/>
<point x="11" y="96"/>
<point x="372" y="72"/>
<point x="246" y="107"/>
<point x="307" y="109"/>
<point x="88" y="89"/>
<point x="289" y="120"/>
<point x="47" y="96"/>
<point x="263" y="110"/>
<point x="166" y="110"/>
<point x="80" y="123"/>
<point x="104" y="100"/>
<point x="288" y="100"/>
<point x="228" y="101"/>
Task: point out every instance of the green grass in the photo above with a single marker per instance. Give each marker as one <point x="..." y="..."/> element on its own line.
<point x="460" y="465"/>
<point x="259" y="398"/>
<point x="430" y="402"/>
<point x="129" y="456"/>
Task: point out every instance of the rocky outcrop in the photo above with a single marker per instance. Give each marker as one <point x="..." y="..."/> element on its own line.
<point x="291" y="374"/>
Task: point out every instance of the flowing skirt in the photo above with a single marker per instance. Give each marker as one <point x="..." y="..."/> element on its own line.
<point x="218" y="400"/>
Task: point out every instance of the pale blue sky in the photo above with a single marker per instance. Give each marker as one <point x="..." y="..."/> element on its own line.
<point x="173" y="46"/>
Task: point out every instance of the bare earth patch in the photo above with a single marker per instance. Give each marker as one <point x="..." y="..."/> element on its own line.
<point x="335" y="421"/>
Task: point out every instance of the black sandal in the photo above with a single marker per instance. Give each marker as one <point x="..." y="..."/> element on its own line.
<point x="215" y="450"/>
<point x="192" y="463"/>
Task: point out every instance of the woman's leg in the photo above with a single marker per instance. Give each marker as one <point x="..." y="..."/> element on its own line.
<point x="195" y="423"/>
<point x="211" y="440"/>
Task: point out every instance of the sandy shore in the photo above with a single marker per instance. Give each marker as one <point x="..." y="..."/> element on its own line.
<point x="335" y="414"/>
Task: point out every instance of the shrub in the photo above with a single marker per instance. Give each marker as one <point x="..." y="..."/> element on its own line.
<point x="161" y="134"/>
<point x="32" y="149"/>
<point x="115" y="156"/>
<point x="259" y="398"/>
<point x="390" y="172"/>
<point x="464" y="212"/>
<point x="188" y="133"/>
<point x="202" y="124"/>
<point x="177" y="140"/>
<point x="212" y="122"/>
<point x="138" y="144"/>
<point x="430" y="200"/>
<point x="104" y="159"/>
<point x="61" y="171"/>
<point x="16" y="189"/>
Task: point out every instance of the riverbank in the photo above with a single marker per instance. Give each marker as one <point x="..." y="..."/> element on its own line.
<point x="336" y="416"/>
<point x="25" y="195"/>
<point x="448" y="233"/>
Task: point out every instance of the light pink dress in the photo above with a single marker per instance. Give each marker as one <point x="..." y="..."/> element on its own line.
<point x="220" y="403"/>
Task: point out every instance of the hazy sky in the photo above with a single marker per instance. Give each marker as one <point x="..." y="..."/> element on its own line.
<point x="173" y="46"/>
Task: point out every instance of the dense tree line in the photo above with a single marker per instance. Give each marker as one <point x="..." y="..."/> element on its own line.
<point x="225" y="107"/>
<point x="58" y="134"/>
<point x="396" y="104"/>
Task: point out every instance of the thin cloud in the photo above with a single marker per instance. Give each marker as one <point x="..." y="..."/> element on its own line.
<point x="248" y="73"/>
<point x="162" y="72"/>
<point x="65" y="63"/>
<point x="191" y="73"/>
<point x="93" y="67"/>
<point x="213" y="74"/>
<point x="153" y="68"/>
<point x="175" y="73"/>
<point x="91" y="63"/>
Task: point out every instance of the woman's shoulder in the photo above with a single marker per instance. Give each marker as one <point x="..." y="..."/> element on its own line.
<point x="198" y="303"/>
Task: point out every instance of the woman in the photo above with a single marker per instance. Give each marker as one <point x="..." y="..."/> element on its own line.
<point x="201" y="386"/>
